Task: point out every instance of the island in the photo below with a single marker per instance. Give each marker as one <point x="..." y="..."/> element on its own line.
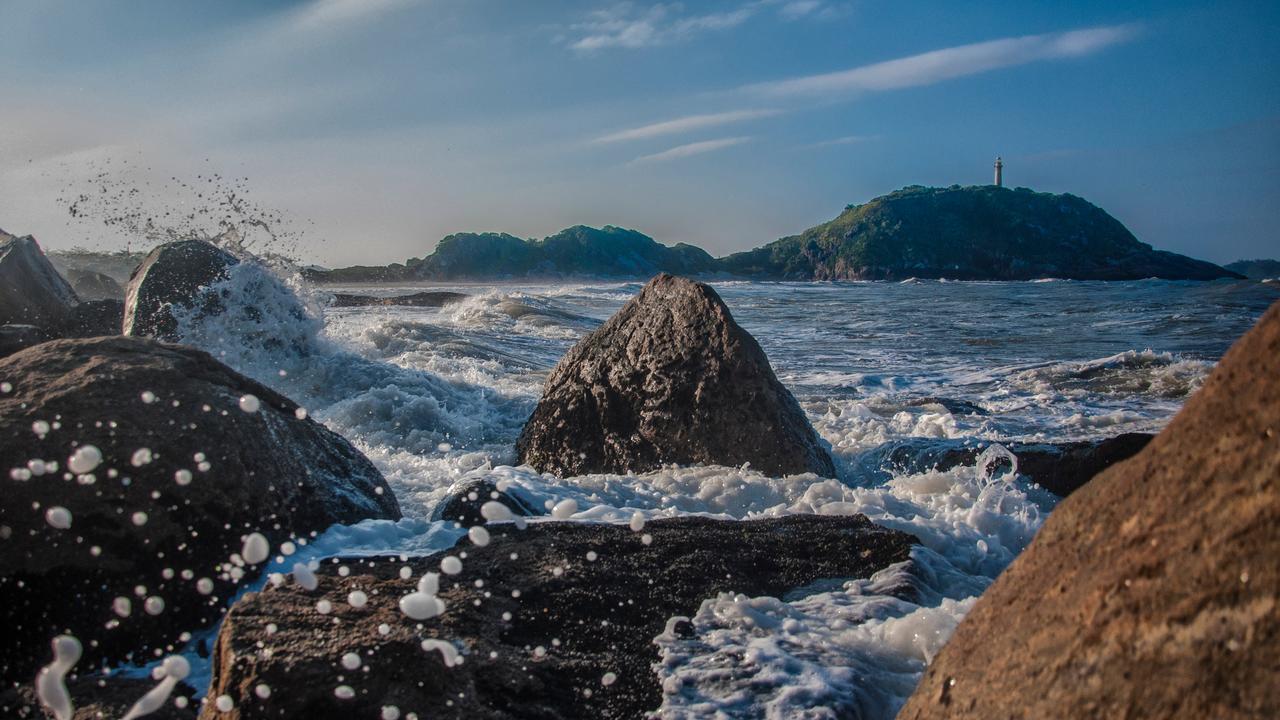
<point x="983" y="232"/>
<point x="1256" y="269"/>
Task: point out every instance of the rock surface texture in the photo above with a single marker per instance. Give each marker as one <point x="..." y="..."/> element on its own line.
<point x="31" y="290"/>
<point x="173" y="275"/>
<point x="575" y="618"/>
<point x="670" y="378"/>
<point x="1154" y="590"/>
<point x="189" y="465"/>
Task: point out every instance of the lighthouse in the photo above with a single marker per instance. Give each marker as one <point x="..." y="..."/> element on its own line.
<point x="999" y="172"/>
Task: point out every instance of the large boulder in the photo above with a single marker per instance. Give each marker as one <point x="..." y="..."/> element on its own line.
<point x="173" y="275"/>
<point x="31" y="290"/>
<point x="670" y="378"/>
<point x="193" y="458"/>
<point x="1154" y="590"/>
<point x="544" y="618"/>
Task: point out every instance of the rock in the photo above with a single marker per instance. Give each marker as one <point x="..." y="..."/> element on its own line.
<point x="173" y="274"/>
<point x="91" y="285"/>
<point x="20" y="337"/>
<point x="463" y="505"/>
<point x="670" y="378"/>
<point x="422" y="299"/>
<point x="1061" y="468"/>
<point x="1154" y="590"/>
<point x="95" y="318"/>
<point x="161" y="524"/>
<point x="31" y="290"/>
<point x="596" y="617"/>
<point x="99" y="696"/>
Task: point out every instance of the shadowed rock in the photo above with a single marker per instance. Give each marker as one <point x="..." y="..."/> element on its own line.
<point x="422" y="299"/>
<point x="1154" y="590"/>
<point x="92" y="285"/>
<point x="670" y="378"/>
<point x="173" y="275"/>
<point x="463" y="505"/>
<point x="98" y="697"/>
<point x="31" y="290"/>
<point x="150" y="514"/>
<point x="594" y="617"/>
<point x="1061" y="468"/>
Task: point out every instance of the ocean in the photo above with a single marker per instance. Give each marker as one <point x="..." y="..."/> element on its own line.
<point x="436" y="396"/>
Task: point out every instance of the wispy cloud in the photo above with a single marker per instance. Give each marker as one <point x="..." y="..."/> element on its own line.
<point x="324" y="15"/>
<point x="685" y="124"/>
<point x="684" y="151"/>
<point x="626" y="26"/>
<point x="938" y="65"/>
<point x="846" y="140"/>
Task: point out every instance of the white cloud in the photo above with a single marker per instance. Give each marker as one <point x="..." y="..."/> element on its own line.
<point x="323" y="15"/>
<point x="846" y="140"/>
<point x="623" y="26"/>
<point x="938" y="65"/>
<point x="685" y="124"/>
<point x="697" y="148"/>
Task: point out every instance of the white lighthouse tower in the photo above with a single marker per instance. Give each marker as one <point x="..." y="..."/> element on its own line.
<point x="999" y="172"/>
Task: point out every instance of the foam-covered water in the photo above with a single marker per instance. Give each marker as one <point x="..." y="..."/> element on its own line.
<point x="435" y="396"/>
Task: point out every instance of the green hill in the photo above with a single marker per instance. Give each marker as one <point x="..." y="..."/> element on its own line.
<point x="968" y="233"/>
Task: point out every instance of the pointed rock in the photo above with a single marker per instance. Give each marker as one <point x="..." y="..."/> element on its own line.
<point x="671" y="378"/>
<point x="1154" y="590"/>
<point x="173" y="275"/>
<point x="31" y="290"/>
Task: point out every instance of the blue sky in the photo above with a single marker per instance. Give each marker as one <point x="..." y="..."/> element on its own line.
<point x="379" y="126"/>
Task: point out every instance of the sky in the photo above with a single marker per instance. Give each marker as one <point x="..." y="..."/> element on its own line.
<point x="372" y="128"/>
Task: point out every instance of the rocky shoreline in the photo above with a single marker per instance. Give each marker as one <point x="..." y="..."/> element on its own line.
<point x="148" y="483"/>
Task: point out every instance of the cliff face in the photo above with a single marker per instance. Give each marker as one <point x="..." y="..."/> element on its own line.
<point x="579" y="250"/>
<point x="968" y="233"/>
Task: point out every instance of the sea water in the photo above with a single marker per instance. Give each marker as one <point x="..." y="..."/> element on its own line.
<point x="437" y="396"/>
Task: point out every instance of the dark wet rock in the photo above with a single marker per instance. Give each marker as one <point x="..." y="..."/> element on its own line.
<point x="1153" y="591"/>
<point x="421" y="299"/>
<point x="31" y="290"/>
<point x="267" y="471"/>
<point x="92" y="285"/>
<point x="173" y="275"/>
<point x="463" y="505"/>
<point x="95" y="318"/>
<point x="603" y="613"/>
<point x="1061" y="468"/>
<point x="20" y="337"/>
<point x="955" y="406"/>
<point x="98" y="697"/>
<point x="670" y="378"/>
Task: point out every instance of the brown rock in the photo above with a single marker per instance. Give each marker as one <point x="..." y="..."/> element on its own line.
<point x="670" y="378"/>
<point x="594" y="618"/>
<point x="269" y="471"/>
<point x="1154" y="590"/>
